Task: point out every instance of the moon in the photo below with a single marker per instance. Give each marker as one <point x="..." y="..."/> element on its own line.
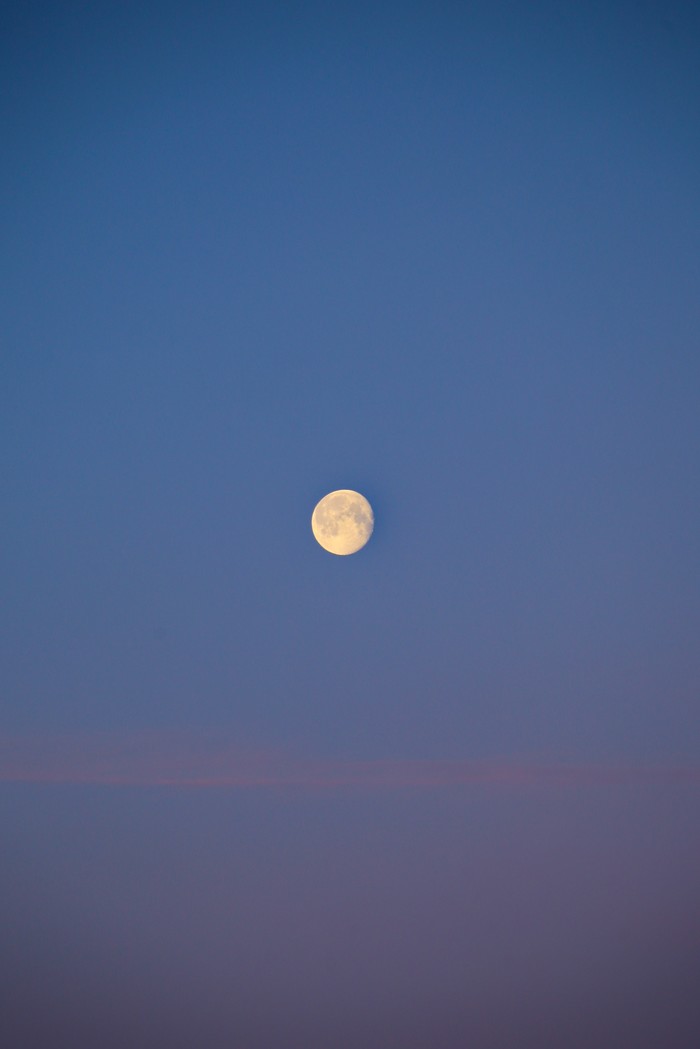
<point x="342" y="522"/>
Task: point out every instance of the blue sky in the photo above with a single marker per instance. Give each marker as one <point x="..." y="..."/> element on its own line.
<point x="446" y="255"/>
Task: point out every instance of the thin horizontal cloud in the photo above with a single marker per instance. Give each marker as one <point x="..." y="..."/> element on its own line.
<point x="183" y="760"/>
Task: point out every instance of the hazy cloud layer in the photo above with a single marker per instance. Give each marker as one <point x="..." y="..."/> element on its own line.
<point x="170" y="759"/>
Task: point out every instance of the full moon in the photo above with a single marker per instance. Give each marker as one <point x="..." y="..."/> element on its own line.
<point x="342" y="522"/>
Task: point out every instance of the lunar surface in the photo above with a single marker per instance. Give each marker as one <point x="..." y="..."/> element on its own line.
<point x="342" y="522"/>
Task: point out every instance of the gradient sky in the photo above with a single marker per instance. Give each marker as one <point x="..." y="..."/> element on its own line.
<point x="441" y="793"/>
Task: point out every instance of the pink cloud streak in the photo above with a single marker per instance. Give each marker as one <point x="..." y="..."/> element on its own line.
<point x="181" y="760"/>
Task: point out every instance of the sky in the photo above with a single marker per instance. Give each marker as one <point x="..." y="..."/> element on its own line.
<point x="444" y="792"/>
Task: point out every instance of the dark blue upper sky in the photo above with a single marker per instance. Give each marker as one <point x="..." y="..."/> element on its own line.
<point x="444" y="254"/>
